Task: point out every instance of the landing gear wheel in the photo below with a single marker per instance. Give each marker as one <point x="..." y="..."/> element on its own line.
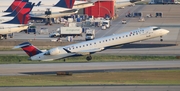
<point x="161" y="39"/>
<point x="88" y="58"/>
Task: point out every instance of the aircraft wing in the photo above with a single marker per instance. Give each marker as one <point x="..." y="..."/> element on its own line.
<point x="85" y="52"/>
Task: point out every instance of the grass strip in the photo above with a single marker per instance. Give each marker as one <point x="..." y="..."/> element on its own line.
<point x="6" y="59"/>
<point x="150" y="77"/>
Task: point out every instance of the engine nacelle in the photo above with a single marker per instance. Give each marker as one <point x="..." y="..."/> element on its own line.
<point x="54" y="51"/>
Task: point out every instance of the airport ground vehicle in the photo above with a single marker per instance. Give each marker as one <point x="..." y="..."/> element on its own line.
<point x="67" y="31"/>
<point x="90" y="34"/>
<point x="106" y="24"/>
<point x="141" y="19"/>
<point x="123" y="21"/>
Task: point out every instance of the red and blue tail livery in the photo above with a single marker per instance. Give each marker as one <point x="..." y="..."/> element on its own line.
<point x="22" y="17"/>
<point x="13" y="6"/>
<point x="29" y="49"/>
<point x="18" y="8"/>
<point x="65" y="3"/>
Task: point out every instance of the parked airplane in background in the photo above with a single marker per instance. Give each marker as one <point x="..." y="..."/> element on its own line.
<point x="92" y="46"/>
<point x="62" y="8"/>
<point x="14" y="9"/>
<point x="18" y="23"/>
<point x="77" y="4"/>
<point x="124" y="3"/>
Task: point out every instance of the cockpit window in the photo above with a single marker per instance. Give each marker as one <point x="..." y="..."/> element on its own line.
<point x="156" y="28"/>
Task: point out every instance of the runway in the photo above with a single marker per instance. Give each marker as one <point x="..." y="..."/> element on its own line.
<point x="52" y="68"/>
<point x="94" y="88"/>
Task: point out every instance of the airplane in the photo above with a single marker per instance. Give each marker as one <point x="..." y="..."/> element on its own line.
<point x="39" y="12"/>
<point x="89" y="47"/>
<point x="18" y="23"/>
<point x="77" y="4"/>
<point x="14" y="12"/>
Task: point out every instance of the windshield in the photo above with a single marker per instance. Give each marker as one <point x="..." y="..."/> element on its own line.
<point x="88" y="34"/>
<point x="105" y="23"/>
<point x="156" y="28"/>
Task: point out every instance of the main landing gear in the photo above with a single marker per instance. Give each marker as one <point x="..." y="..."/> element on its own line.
<point x="161" y="38"/>
<point x="88" y="58"/>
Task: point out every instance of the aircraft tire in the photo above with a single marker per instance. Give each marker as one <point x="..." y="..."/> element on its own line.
<point x="88" y="58"/>
<point x="161" y="39"/>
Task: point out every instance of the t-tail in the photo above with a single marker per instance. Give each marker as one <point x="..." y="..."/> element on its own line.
<point x="65" y="3"/>
<point x="18" y="8"/>
<point x="23" y="15"/>
<point x="29" y="49"/>
<point x="13" y="6"/>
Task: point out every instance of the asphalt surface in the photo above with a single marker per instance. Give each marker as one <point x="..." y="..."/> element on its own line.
<point x="52" y="68"/>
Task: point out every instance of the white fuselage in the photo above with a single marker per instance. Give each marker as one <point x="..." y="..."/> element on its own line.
<point x="39" y="11"/>
<point x="101" y="43"/>
<point x="11" y="28"/>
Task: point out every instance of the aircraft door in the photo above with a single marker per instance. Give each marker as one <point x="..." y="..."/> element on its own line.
<point x="148" y="33"/>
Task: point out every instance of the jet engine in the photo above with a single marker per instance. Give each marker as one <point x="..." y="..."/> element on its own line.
<point x="54" y="51"/>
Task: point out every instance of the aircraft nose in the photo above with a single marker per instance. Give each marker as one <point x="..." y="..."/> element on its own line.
<point x="166" y="31"/>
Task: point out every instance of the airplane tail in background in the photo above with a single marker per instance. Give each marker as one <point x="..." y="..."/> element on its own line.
<point x="13" y="6"/>
<point x="23" y="15"/>
<point x="38" y="4"/>
<point x="18" y="8"/>
<point x="29" y="49"/>
<point x="65" y="3"/>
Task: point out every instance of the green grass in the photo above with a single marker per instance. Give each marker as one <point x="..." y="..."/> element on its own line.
<point x="157" y="77"/>
<point x="5" y="59"/>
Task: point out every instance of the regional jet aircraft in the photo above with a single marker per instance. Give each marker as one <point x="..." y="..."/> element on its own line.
<point x="92" y="46"/>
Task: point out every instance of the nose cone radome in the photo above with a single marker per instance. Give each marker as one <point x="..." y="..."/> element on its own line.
<point x="165" y="31"/>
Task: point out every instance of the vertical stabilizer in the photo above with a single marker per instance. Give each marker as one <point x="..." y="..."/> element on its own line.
<point x="65" y="3"/>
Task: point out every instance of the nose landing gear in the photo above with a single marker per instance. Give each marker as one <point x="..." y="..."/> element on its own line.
<point x="161" y="38"/>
